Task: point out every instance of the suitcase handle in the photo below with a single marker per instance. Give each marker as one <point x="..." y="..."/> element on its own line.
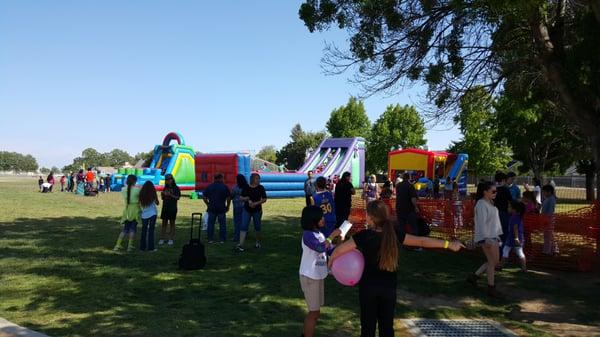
<point x="199" y="215"/>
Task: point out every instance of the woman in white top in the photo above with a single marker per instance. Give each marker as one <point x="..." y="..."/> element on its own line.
<point x="487" y="234"/>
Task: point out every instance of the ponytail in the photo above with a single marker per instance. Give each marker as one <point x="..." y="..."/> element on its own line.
<point x="131" y="179"/>
<point x="388" y="250"/>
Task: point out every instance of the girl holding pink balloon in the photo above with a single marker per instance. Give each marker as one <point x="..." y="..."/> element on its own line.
<point x="377" y="282"/>
<point x="313" y="266"/>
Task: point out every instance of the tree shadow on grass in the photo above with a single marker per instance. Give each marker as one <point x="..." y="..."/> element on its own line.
<point x="90" y="290"/>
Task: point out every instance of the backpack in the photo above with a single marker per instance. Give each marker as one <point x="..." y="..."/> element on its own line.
<point x="193" y="254"/>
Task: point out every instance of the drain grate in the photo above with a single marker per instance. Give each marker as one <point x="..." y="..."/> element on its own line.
<point x="456" y="328"/>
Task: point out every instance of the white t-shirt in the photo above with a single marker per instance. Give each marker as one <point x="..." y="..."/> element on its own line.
<point x="537" y="191"/>
<point x="487" y="221"/>
<point x="313" y="263"/>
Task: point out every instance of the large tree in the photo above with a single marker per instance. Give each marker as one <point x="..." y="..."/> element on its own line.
<point x="454" y="45"/>
<point x="397" y="127"/>
<point x="349" y="120"/>
<point x="293" y="154"/>
<point x="538" y="135"/>
<point x="477" y="122"/>
<point x="13" y="161"/>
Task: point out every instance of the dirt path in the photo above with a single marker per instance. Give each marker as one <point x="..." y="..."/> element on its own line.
<point x="531" y="307"/>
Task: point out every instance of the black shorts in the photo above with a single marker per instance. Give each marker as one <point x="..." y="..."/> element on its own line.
<point x="168" y="213"/>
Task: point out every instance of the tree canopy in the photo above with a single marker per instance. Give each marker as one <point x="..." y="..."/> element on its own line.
<point x="13" y="161"/>
<point x="293" y="154"/>
<point x="477" y="122"/>
<point x="268" y="153"/>
<point x="349" y="120"/>
<point x="398" y="126"/>
<point x="456" y="45"/>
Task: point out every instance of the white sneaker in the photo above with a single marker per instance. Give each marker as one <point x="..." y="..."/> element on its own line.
<point x="161" y="242"/>
<point x="170" y="243"/>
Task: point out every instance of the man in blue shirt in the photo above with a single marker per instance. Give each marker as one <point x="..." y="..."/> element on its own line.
<point x="309" y="188"/>
<point x="217" y="198"/>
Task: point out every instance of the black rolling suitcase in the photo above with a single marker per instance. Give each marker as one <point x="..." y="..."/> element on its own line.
<point x="193" y="255"/>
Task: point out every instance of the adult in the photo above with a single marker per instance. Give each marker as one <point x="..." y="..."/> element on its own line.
<point x="515" y="191"/>
<point x="50" y="180"/>
<point x="217" y="198"/>
<point x="71" y="182"/>
<point x="107" y="183"/>
<point x="406" y="206"/>
<point x="377" y="286"/>
<point x="502" y="200"/>
<point x="487" y="234"/>
<point x="238" y="205"/>
<point x="89" y="178"/>
<point x="253" y="196"/>
<point x="344" y="190"/>
<point x="170" y="195"/>
<point x="309" y="187"/>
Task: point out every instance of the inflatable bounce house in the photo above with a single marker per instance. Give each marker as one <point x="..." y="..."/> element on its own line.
<point x="333" y="157"/>
<point x="195" y="171"/>
<point x="176" y="159"/>
<point x="428" y="165"/>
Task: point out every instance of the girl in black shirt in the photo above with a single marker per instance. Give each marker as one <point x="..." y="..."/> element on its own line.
<point x="377" y="286"/>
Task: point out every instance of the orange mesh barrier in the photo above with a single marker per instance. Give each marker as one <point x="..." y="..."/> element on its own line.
<point x="567" y="241"/>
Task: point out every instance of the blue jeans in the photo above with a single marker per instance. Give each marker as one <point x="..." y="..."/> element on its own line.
<point x="147" y="239"/>
<point x="212" y="218"/>
<point x="256" y="217"/>
<point x="238" y="217"/>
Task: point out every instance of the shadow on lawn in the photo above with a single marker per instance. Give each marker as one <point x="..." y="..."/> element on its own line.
<point x="103" y="293"/>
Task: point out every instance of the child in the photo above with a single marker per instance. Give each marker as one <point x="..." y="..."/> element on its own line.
<point x="131" y="213"/>
<point x="313" y="266"/>
<point x="377" y="287"/>
<point x="170" y="195"/>
<point x="371" y="189"/>
<point x="515" y="237"/>
<point x="63" y="179"/>
<point x="40" y="183"/>
<point x="531" y="206"/>
<point x="148" y="203"/>
<point x="386" y="192"/>
<point x="324" y="199"/>
<point x="548" y="207"/>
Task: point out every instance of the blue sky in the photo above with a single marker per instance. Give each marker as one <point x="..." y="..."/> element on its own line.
<point x="228" y="75"/>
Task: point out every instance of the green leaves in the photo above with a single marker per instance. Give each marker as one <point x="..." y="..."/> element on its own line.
<point x="293" y="154"/>
<point x="397" y="127"/>
<point x="13" y="161"/>
<point x="349" y="120"/>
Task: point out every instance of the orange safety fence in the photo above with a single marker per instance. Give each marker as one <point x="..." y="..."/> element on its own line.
<point x="572" y="238"/>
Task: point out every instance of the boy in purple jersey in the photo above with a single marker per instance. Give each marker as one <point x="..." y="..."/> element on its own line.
<point x="323" y="198"/>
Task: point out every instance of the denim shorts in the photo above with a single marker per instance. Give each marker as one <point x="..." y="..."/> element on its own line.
<point x="256" y="217"/>
<point x="129" y="226"/>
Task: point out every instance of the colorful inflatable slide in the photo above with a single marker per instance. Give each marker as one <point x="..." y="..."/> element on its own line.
<point x="195" y="171"/>
<point x="176" y="159"/>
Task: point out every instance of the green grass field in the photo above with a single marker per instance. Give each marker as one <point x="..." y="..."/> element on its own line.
<point x="59" y="276"/>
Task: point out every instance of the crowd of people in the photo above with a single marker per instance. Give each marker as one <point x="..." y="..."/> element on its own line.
<point x="91" y="182"/>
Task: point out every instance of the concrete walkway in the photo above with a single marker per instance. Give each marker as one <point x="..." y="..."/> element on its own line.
<point x="8" y="329"/>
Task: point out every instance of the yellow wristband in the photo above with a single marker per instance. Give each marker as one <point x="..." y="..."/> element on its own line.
<point x="446" y="243"/>
<point x="328" y="240"/>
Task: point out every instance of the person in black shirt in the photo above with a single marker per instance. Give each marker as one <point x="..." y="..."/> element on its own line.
<point x="170" y="195"/>
<point x="377" y="286"/>
<point x="503" y="198"/>
<point x="406" y="205"/>
<point x="344" y="190"/>
<point x="254" y="195"/>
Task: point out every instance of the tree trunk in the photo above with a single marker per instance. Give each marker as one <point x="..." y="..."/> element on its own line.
<point x="583" y="115"/>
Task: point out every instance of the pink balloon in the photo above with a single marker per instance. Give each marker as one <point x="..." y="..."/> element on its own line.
<point x="348" y="268"/>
